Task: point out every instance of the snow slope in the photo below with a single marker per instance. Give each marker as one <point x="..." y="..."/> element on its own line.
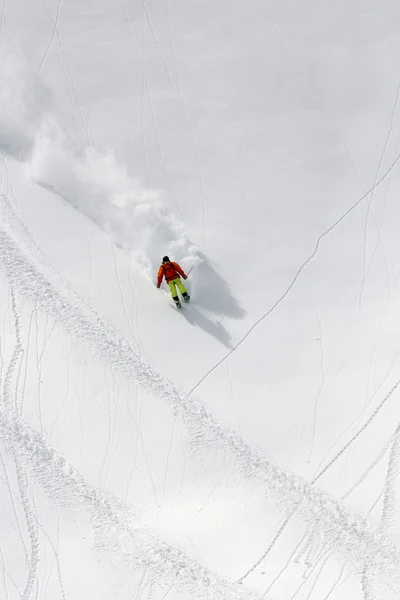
<point x="247" y="446"/>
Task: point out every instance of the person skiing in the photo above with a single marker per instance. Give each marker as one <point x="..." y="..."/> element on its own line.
<point x="172" y="273"/>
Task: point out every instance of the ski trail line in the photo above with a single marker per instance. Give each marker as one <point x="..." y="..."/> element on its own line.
<point x="297" y="275"/>
<point x="116" y="527"/>
<point x="10" y="406"/>
<point x="285" y="567"/>
<point x="391" y="488"/>
<point x="323" y="471"/>
<point x="357" y="434"/>
<point x="353" y="537"/>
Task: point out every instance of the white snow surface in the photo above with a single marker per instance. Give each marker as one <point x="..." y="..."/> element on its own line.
<point x="247" y="446"/>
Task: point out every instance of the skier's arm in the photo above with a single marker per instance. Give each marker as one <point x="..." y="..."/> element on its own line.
<point x="178" y="270"/>
<point x="160" y="276"/>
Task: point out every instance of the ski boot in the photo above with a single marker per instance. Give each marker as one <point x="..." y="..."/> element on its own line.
<point x="186" y="297"/>
<point x="176" y="300"/>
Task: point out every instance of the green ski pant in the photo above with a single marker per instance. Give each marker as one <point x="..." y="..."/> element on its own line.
<point x="174" y="284"/>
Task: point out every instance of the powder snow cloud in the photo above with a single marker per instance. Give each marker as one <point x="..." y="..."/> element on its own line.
<point x="137" y="219"/>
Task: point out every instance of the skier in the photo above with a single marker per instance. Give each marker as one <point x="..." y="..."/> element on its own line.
<point x="172" y="272"/>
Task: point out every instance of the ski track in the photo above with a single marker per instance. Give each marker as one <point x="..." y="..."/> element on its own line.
<point x="186" y="112"/>
<point x="353" y="538"/>
<point x="391" y="488"/>
<point x="119" y="534"/>
<point x="22" y="480"/>
<point x="371" y="199"/>
<point x="56" y="557"/>
<point x="74" y="94"/>
<point x="176" y="92"/>
<point x="270" y="547"/>
<point x="297" y="275"/>
<point x="337" y="583"/>
<point x="366" y="586"/>
<point x="147" y="91"/>
<point x="388" y="482"/>
<point x="368" y="470"/>
<point x="285" y="567"/>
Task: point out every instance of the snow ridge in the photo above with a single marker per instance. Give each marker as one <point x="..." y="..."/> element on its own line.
<point x="391" y="489"/>
<point x="115" y="525"/>
<point x="350" y="533"/>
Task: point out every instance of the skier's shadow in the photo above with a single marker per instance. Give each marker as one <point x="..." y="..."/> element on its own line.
<point x="212" y="293"/>
<point x="198" y="319"/>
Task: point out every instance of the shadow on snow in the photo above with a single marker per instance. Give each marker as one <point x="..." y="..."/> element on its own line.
<point x="211" y="294"/>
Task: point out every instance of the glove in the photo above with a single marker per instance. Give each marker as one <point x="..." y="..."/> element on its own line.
<point x="185" y="277"/>
<point x="158" y="286"/>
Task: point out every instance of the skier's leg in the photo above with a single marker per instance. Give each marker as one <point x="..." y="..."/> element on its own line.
<point x="182" y="290"/>
<point x="174" y="292"/>
<point x="180" y="285"/>
<point x="172" y="288"/>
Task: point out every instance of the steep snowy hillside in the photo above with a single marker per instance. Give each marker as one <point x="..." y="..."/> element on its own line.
<point x="248" y="445"/>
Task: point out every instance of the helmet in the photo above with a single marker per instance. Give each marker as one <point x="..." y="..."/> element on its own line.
<point x="165" y="259"/>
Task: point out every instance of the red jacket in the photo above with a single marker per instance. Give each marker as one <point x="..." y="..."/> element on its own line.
<point x="169" y="270"/>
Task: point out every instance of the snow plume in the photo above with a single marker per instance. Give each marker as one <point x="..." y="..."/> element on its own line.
<point x="96" y="184"/>
<point x="137" y="219"/>
<point x="24" y="103"/>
